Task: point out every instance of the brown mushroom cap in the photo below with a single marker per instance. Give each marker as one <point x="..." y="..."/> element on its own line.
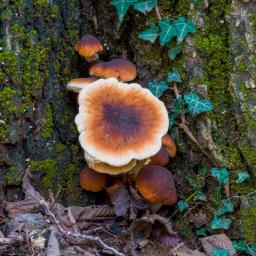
<point x="77" y="84"/>
<point x="161" y="158"/>
<point x="121" y="69"/>
<point x="169" y="145"/>
<point x="88" y="46"/>
<point x="156" y="184"/>
<point x="92" y="181"/>
<point x="120" y="122"/>
<point x="113" y="170"/>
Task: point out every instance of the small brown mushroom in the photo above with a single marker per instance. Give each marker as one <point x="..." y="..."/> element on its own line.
<point x="89" y="47"/>
<point x="169" y="145"/>
<point x="156" y="184"/>
<point x="161" y="158"/>
<point x="121" y="69"/>
<point x="77" y="84"/>
<point x="92" y="181"/>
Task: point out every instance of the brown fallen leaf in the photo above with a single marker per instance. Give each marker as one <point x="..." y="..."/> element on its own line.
<point x="183" y="250"/>
<point x="92" y="212"/>
<point x="220" y="241"/>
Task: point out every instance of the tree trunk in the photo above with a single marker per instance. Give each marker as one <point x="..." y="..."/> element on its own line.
<point x="37" y="60"/>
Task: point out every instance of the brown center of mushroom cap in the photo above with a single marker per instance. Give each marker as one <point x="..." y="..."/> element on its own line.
<point x="120" y="122"/>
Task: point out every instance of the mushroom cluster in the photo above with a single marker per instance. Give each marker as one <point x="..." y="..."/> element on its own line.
<point x="123" y="127"/>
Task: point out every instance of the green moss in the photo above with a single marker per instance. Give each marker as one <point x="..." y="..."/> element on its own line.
<point x="71" y="185"/>
<point x="41" y="3"/>
<point x="249" y="217"/>
<point x="59" y="148"/>
<point x="242" y="66"/>
<point x="4" y="132"/>
<point x="48" y="168"/>
<point x="48" y="129"/>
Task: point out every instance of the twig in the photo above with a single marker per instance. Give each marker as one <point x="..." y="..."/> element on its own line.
<point x="158" y="14"/>
<point x="28" y="189"/>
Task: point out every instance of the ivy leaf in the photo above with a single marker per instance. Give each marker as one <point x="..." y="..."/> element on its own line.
<point x="222" y="175"/>
<point x="227" y="207"/>
<point x="168" y="31"/>
<point x="122" y="7"/>
<point x="239" y="245"/>
<point x="158" y="88"/>
<point x="183" y="27"/>
<point x="201" y="232"/>
<point x="172" y="120"/>
<point x="145" y="6"/>
<point x="195" y="105"/>
<point x="220" y="223"/>
<point x="150" y="34"/>
<point x="242" y="176"/>
<point x="174" y="76"/>
<point x="220" y="252"/>
<point x="182" y="205"/>
<point x="200" y="197"/>
<point x="173" y="52"/>
<point x="179" y="107"/>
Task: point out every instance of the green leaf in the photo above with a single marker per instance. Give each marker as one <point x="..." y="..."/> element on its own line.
<point x="239" y="245"/>
<point x="220" y="252"/>
<point x="222" y="175"/>
<point x="174" y="76"/>
<point x="200" y="197"/>
<point x="220" y="223"/>
<point x="242" y="176"/>
<point x="173" y="52"/>
<point x="179" y="107"/>
<point x="145" y="6"/>
<point x="158" y="88"/>
<point x="195" y="105"/>
<point x="172" y="120"/>
<point x="201" y="232"/>
<point x="227" y="207"/>
<point x="122" y="7"/>
<point x="167" y="31"/>
<point x="182" y="205"/>
<point x="183" y="27"/>
<point x="150" y="34"/>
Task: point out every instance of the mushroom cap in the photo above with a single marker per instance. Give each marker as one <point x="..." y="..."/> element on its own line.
<point x="119" y="68"/>
<point x="156" y="184"/>
<point x="119" y="122"/>
<point x="92" y="181"/>
<point x="77" y="84"/>
<point x="113" y="170"/>
<point x="169" y="145"/>
<point x="88" y="46"/>
<point x="161" y="158"/>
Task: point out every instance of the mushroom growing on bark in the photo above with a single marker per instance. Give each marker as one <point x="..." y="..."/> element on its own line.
<point x="89" y="47"/>
<point x="120" y="122"/>
<point x="121" y="69"/>
<point x="77" y="84"/>
<point x="156" y="184"/>
<point x="92" y="181"/>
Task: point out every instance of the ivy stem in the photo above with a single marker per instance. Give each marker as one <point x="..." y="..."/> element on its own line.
<point x="183" y="124"/>
<point x="158" y="14"/>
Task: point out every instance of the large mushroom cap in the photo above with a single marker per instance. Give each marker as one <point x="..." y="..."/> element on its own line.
<point x="119" y="122"/>
<point x="118" y="68"/>
<point x="156" y="184"/>
<point x="88" y="46"/>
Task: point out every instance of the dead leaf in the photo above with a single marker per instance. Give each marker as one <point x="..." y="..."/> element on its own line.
<point x="199" y="219"/>
<point x="220" y="241"/>
<point x="92" y="212"/>
<point x="183" y="250"/>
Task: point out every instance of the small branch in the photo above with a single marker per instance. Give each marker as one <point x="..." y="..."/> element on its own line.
<point x="158" y="14"/>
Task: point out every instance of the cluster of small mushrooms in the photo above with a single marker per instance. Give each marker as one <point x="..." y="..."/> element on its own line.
<point x="123" y="128"/>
